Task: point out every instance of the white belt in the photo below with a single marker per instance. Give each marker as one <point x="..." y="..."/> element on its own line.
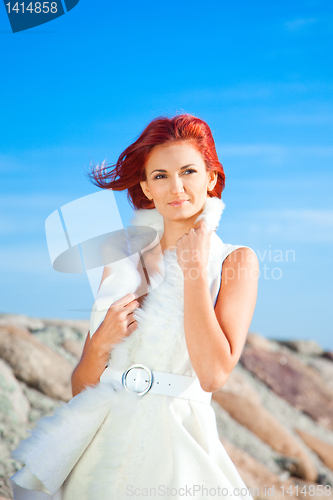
<point x="140" y="379"/>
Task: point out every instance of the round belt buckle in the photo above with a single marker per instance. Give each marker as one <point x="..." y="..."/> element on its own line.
<point x="149" y="381"/>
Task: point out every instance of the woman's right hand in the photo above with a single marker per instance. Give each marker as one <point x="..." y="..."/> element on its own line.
<point x="117" y="324"/>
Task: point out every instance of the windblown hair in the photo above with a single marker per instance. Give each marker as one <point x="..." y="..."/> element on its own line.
<point x="129" y="170"/>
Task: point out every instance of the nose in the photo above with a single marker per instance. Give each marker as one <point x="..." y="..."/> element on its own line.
<point x="176" y="185"/>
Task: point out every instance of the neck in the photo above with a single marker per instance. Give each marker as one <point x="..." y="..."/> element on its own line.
<point x="174" y="230"/>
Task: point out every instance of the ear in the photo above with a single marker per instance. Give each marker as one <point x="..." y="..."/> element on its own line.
<point x="212" y="179"/>
<point x="145" y="190"/>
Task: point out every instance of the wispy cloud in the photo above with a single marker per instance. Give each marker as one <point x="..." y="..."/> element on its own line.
<point x="291" y="225"/>
<point x="248" y="91"/>
<point x="33" y="201"/>
<point x="294" y="183"/>
<point x="24" y="215"/>
<point x="24" y="258"/>
<point x="10" y="163"/>
<point x="298" y="24"/>
<point x="315" y="118"/>
<point x="50" y="157"/>
<point x="277" y="156"/>
<point x="273" y="149"/>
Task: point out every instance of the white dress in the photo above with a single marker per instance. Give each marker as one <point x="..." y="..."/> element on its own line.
<point x="114" y="445"/>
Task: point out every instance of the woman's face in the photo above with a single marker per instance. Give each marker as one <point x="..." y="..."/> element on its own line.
<point x="176" y="172"/>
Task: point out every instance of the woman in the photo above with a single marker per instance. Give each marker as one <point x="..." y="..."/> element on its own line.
<point x="148" y="430"/>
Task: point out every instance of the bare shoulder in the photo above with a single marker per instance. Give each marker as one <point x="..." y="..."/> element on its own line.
<point x="239" y="264"/>
<point x="152" y="258"/>
<point x="242" y="254"/>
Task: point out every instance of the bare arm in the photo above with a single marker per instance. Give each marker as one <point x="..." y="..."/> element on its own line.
<point x="90" y="368"/>
<point x="215" y="338"/>
<point x="237" y="300"/>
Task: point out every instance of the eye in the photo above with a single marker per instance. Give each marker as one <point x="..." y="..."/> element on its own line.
<point x="161" y="176"/>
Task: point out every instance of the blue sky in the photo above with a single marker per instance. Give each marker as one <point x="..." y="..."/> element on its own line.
<point x="82" y="87"/>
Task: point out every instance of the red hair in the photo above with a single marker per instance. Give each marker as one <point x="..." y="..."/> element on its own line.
<point x="129" y="170"/>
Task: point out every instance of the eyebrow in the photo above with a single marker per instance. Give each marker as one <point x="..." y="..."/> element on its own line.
<point x="182" y="168"/>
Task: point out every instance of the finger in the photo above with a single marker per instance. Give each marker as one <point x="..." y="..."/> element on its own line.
<point x="200" y="226"/>
<point x="130" y="308"/>
<point x="125" y="300"/>
<point x="131" y="328"/>
<point x="204" y="226"/>
<point x="130" y="320"/>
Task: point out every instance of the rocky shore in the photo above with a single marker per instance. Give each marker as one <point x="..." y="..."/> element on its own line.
<point x="274" y="414"/>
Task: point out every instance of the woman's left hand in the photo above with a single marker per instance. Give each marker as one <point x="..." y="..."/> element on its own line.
<point x="193" y="250"/>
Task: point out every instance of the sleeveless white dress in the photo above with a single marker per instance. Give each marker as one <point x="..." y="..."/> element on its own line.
<point x="107" y="444"/>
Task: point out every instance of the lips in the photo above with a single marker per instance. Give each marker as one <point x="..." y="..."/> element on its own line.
<point x="178" y="203"/>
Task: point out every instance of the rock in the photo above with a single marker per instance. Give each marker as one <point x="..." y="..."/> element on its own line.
<point x="259" y="342"/>
<point x="264" y="425"/>
<point x="35" y="363"/>
<point x="307" y="347"/>
<point x="323" y="449"/>
<point x="21" y="321"/>
<point x="12" y="400"/>
<point x="34" y="324"/>
<point x="228" y="428"/>
<point x="261" y="482"/>
<point x="54" y="337"/>
<point x="324" y="367"/>
<point x="328" y="355"/>
<point x="254" y="474"/>
<point x="41" y="404"/>
<point x="11" y="433"/>
<point x="292" y="380"/>
<point x="75" y="347"/>
<point x="80" y="325"/>
<point x="238" y="385"/>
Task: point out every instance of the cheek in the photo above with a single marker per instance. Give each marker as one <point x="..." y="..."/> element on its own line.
<point x="158" y="189"/>
<point x="199" y="181"/>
